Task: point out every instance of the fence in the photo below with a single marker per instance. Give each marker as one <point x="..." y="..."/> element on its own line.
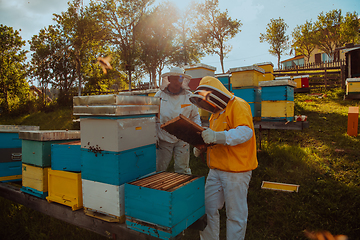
<point x="324" y="74"/>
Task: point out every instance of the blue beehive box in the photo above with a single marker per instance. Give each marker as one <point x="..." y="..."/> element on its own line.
<point x="117" y="168"/>
<point x="225" y="80"/>
<point x="255" y="109"/>
<point x="277" y="93"/>
<point x="66" y="156"/>
<point x="10" y="151"/>
<point x="164" y="204"/>
<point x="36" y="145"/>
<point x="249" y="94"/>
<point x="277" y="90"/>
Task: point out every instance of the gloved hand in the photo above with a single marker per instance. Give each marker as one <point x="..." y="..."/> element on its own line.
<point x="197" y="152"/>
<point x="211" y="136"/>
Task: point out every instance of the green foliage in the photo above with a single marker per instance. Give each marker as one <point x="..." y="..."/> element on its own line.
<point x="350" y="27"/>
<point x="304" y="39"/>
<point x="155" y="34"/>
<point x="215" y="28"/>
<point x="13" y="85"/>
<point x="187" y="51"/>
<point x="327" y="29"/>
<point x="276" y="36"/>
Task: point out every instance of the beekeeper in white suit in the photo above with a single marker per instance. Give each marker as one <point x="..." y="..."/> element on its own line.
<point x="174" y="95"/>
<point x="231" y="158"/>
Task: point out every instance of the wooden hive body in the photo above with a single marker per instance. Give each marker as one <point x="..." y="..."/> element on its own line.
<point x="104" y="198"/>
<point x="35" y="180"/>
<point x="10" y="151"/>
<point x="164" y="204"/>
<point x="65" y="188"/>
<point x="117" y="133"/>
<point x="66" y="156"/>
<point x="117" y="168"/>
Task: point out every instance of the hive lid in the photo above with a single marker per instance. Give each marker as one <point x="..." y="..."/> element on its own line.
<point x="283" y="78"/>
<point x="113" y="99"/>
<point x="115" y="110"/>
<point x="49" y="135"/>
<point x="199" y="65"/>
<point x="247" y="68"/>
<point x="302" y="76"/>
<point x="186" y="130"/>
<point x="277" y="83"/>
<point x="352" y="80"/>
<point x="264" y="63"/>
<point x="17" y="128"/>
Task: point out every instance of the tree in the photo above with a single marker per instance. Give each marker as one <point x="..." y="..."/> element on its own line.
<point x="187" y="50"/>
<point x="350" y="28"/>
<point x="82" y="32"/>
<point x="276" y="36"/>
<point x="304" y="39"/>
<point x="51" y="60"/>
<point x="328" y="33"/>
<point x="214" y="28"/>
<point x="122" y="17"/>
<point x="12" y="66"/>
<point x="155" y="34"/>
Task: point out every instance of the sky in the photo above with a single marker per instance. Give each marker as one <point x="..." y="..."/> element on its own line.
<point x="33" y="15"/>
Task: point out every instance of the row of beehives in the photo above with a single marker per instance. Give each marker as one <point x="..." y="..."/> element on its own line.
<point x="270" y="99"/>
<point x="101" y="172"/>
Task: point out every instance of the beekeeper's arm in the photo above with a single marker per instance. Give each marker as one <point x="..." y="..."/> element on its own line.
<point x="231" y="137"/>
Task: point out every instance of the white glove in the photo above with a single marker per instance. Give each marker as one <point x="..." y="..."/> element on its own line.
<point x="197" y="152"/>
<point x="211" y="136"/>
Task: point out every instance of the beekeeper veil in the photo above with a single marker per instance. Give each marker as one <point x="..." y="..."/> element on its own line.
<point x="211" y="95"/>
<point x="175" y="71"/>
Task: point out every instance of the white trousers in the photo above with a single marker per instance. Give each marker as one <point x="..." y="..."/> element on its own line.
<point x="164" y="154"/>
<point x="229" y="188"/>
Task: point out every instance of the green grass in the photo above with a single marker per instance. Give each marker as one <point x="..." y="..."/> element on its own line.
<point x="322" y="159"/>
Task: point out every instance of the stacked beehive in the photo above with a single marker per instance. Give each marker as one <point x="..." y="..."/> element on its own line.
<point x="36" y="157"/>
<point x="277" y="100"/>
<point x="197" y="72"/>
<point x="64" y="177"/>
<point x="10" y="151"/>
<point x="302" y="83"/>
<point x="245" y="84"/>
<point x="118" y="145"/>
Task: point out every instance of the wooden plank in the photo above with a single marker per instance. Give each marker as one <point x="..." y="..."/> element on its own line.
<point x="281" y="125"/>
<point x="64" y="213"/>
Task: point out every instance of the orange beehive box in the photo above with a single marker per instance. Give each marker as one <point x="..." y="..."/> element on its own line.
<point x="353" y="119"/>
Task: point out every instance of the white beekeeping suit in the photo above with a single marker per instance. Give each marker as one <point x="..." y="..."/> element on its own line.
<point x="174" y="95"/>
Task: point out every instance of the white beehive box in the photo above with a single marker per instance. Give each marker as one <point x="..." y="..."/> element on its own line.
<point x="200" y="70"/>
<point x="117" y="134"/>
<point x="104" y="198"/>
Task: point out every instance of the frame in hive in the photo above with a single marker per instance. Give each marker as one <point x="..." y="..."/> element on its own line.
<point x="186" y="130"/>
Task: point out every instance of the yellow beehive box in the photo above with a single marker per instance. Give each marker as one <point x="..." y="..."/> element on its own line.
<point x="352" y="86"/>
<point x="269" y="70"/>
<point x="65" y="188"/>
<point x="35" y="177"/>
<point x="277" y="110"/>
<point x="246" y="76"/>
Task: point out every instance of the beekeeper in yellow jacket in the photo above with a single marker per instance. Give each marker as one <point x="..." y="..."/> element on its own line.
<point x="231" y="158"/>
<point x="174" y="100"/>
